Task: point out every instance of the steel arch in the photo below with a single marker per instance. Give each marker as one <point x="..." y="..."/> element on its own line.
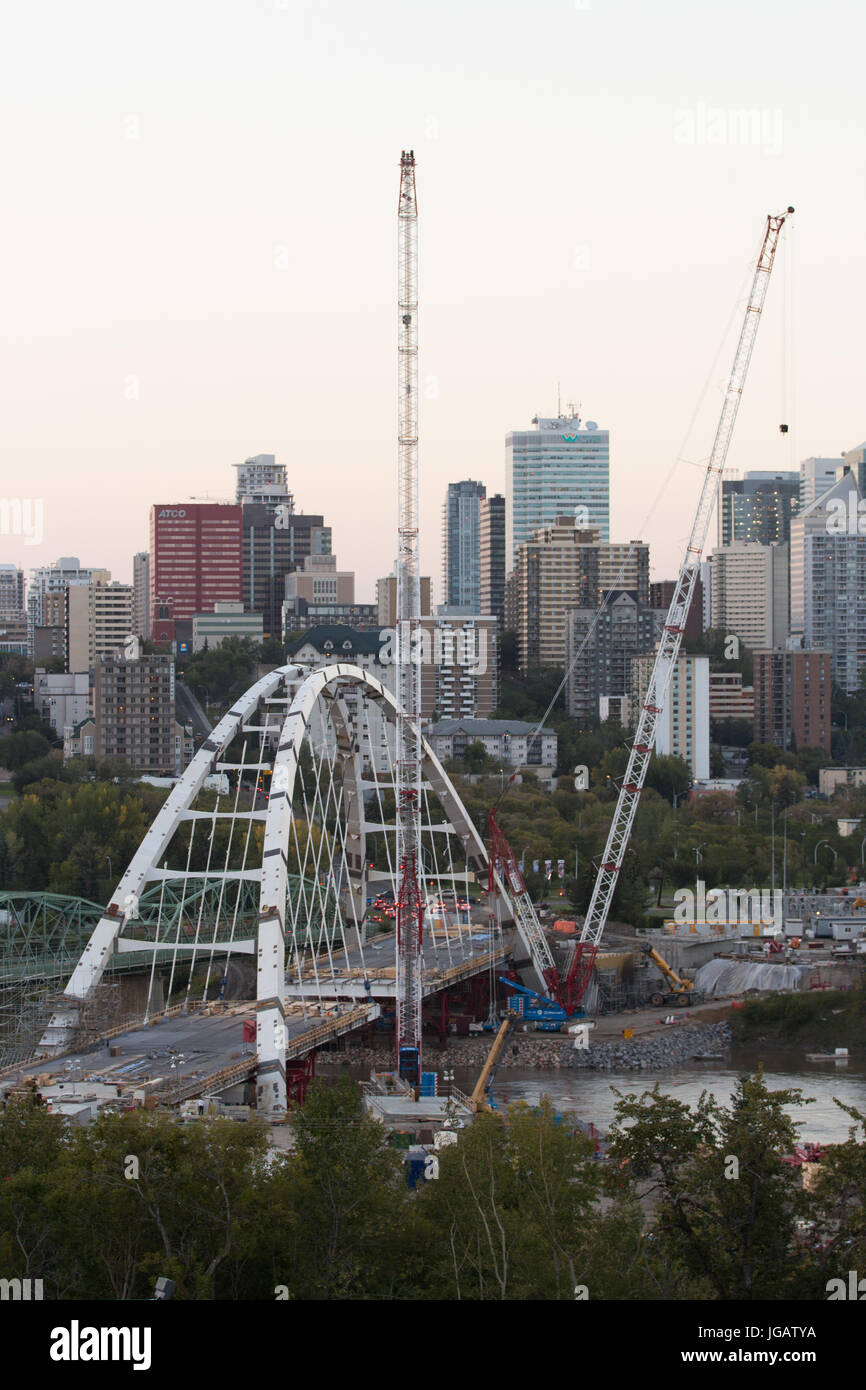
<point x="305" y="690"/>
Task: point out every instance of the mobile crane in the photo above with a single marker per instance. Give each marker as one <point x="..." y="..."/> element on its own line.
<point x="681" y="991"/>
<point x="570" y="991"/>
<point x="481" y="1098"/>
<point x="533" y="1009"/>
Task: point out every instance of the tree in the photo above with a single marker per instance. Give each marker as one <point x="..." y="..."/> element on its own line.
<point x="349" y="1197"/>
<point x="475" y="756"/>
<point x="732" y="733"/>
<point x="22" y="747"/>
<point x="726" y="1205"/>
<point x="837" y="1206"/>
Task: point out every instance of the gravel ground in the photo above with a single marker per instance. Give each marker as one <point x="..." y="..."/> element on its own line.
<point x="670" y="1047"/>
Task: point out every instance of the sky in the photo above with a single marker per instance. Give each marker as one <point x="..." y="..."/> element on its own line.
<point x="198" y="251"/>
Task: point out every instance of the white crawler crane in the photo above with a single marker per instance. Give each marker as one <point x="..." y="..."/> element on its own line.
<point x="572" y="989"/>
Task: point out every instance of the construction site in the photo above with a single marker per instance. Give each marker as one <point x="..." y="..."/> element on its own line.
<point x="287" y="909"/>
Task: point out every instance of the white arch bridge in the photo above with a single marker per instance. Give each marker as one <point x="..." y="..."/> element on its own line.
<point x="288" y="809"/>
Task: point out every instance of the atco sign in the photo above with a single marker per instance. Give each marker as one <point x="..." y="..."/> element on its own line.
<point x="166" y="511"/>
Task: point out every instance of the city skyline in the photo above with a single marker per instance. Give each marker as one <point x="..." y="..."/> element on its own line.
<point x="167" y="334"/>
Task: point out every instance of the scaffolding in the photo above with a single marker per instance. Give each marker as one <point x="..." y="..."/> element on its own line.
<point x="29" y="995"/>
<point x="611" y="991"/>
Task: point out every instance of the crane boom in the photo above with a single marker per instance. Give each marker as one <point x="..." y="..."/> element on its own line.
<point x="480" y="1098"/>
<point x="671" y="638"/>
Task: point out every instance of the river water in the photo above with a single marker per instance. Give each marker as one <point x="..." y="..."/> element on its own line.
<point x="589" y="1094"/>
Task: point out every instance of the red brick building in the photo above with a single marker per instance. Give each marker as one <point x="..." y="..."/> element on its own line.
<point x="195" y="562"/>
<point x="792" y="698"/>
<point x="661" y="593"/>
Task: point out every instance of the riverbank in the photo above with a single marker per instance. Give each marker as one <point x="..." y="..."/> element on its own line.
<point x="820" y="1020"/>
<point x="669" y="1046"/>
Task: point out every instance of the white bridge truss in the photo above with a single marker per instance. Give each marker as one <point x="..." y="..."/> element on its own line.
<point x="281" y="815"/>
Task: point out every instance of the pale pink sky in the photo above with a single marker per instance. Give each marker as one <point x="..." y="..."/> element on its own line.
<point x="592" y="192"/>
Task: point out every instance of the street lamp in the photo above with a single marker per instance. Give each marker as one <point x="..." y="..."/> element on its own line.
<point x="830" y="848"/>
<point x="698" y="855"/>
<point x="862" y="843"/>
<point x="108" y="861"/>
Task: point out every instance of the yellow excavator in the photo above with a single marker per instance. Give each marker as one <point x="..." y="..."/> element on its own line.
<point x="480" y="1098"/>
<point x="680" y="992"/>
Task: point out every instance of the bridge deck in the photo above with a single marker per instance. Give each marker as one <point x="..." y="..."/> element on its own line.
<point x="210" y="1039"/>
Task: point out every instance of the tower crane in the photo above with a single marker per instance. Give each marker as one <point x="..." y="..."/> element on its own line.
<point x="410" y="905"/>
<point x="570" y="991"/>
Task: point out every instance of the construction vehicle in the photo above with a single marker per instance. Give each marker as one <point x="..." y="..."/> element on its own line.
<point x="533" y="1011"/>
<point x="481" y="1098"/>
<point x="681" y="991"/>
<point x="570" y="991"/>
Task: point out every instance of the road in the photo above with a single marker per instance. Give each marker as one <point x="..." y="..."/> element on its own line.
<point x="189" y="711"/>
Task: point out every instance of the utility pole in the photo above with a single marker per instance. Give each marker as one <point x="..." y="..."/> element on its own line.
<point x="410" y="907"/>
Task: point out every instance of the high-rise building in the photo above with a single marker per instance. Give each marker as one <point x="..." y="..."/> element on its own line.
<point x="134" y="715"/>
<point x="749" y="592"/>
<point x="11" y="591"/>
<point x="492" y="527"/>
<point x="816" y="475"/>
<point x="828" y="581"/>
<point x="276" y="542"/>
<point x="262" y="480"/>
<point x="661" y="593"/>
<point x="683" y="727"/>
<point x="563" y="568"/>
<point x="600" y="650"/>
<point x="729" y="698"/>
<point x="854" y="461"/>
<point x="792" y="698"/>
<point x="624" y="565"/>
<point x="460" y="666"/>
<point x="46" y="603"/>
<point x="461" y="545"/>
<point x="99" y="619"/>
<point x="559" y="467"/>
<point x="195" y="562"/>
<point x="141" y="594"/>
<point x="386" y="598"/>
<point x="758" y="507"/>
